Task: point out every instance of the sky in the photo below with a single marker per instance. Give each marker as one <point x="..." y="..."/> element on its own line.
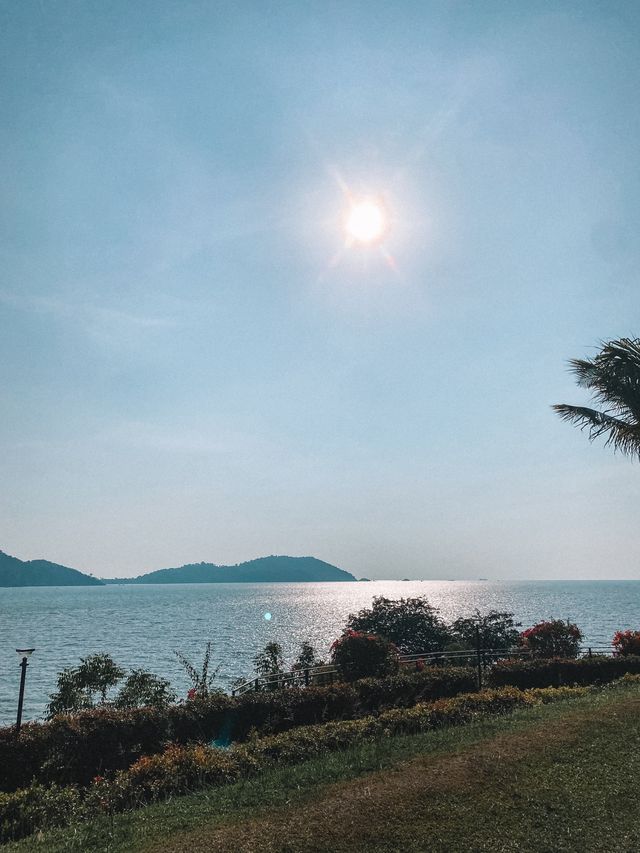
<point x="194" y="363"/>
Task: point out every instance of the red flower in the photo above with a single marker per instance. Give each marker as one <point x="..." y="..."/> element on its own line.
<point x="626" y="643"/>
<point x="349" y="634"/>
<point x="192" y="693"/>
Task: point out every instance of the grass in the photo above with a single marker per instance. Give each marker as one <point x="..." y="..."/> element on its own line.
<point x="559" y="777"/>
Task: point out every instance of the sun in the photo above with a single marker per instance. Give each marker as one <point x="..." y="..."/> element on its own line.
<point x="366" y="221"/>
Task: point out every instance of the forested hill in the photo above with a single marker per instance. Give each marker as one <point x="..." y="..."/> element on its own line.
<point x="262" y="570"/>
<point x="15" y="572"/>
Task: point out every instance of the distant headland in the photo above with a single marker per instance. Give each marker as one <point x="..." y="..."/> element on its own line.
<point x="15" y="572"/>
<point x="274" y="569"/>
<point x="262" y="570"/>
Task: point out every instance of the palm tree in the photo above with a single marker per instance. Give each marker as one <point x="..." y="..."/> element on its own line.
<point x="613" y="378"/>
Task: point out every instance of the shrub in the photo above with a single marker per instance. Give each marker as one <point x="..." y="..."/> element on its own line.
<point x="626" y="643"/>
<point x="177" y="770"/>
<point x="303" y="742"/>
<point x="74" y="749"/>
<point x="555" y="638"/>
<point x="360" y="655"/>
<point x="411" y="623"/>
<point x="555" y="672"/>
<point x="25" y="811"/>
<point x="403" y="689"/>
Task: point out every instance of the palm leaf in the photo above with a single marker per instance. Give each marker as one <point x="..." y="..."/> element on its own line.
<point x="621" y="435"/>
<point x="613" y="378"/>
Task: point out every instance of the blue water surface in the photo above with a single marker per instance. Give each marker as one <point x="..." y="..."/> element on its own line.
<point x="141" y="626"/>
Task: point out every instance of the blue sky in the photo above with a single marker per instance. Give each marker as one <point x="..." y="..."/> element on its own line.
<point x="193" y="367"/>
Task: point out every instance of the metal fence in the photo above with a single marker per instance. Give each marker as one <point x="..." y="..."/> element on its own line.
<point x="478" y="657"/>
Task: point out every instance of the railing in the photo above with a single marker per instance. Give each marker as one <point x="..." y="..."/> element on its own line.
<point x="479" y="657"/>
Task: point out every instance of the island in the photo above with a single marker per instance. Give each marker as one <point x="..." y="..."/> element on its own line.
<point x="274" y="569"/>
<point x="15" y="572"/>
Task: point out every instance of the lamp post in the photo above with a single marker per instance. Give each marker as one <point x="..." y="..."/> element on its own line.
<point x="479" y="657"/>
<point x="25" y="654"/>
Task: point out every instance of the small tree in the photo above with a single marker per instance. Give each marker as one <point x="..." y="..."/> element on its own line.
<point x="84" y="686"/>
<point x="497" y="630"/>
<point x="69" y="698"/>
<point x="269" y="663"/>
<point x="201" y="679"/>
<point x="412" y="624"/>
<point x="98" y="674"/>
<point x="626" y="643"/>
<point x="553" y="639"/>
<point x="88" y="685"/>
<point x="360" y="655"/>
<point x="143" y="688"/>
<point x="307" y="659"/>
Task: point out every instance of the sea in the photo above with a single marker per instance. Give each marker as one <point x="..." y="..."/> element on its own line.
<point x="142" y="626"/>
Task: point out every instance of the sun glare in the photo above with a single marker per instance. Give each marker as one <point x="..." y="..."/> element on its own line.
<point x="366" y="221"/>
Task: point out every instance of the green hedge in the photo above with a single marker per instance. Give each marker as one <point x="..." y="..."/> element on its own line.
<point x="558" y="671"/>
<point x="38" y="807"/>
<point x="180" y="769"/>
<point x="72" y="749"/>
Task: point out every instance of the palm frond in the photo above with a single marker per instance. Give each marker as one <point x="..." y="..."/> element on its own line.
<point x="585" y="371"/>
<point x="613" y="376"/>
<point x="621" y="434"/>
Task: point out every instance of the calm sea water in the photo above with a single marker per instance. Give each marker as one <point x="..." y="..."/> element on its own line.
<point x="141" y="626"/>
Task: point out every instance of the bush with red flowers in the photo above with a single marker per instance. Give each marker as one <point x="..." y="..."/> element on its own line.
<point x="626" y="643"/>
<point x="553" y="639"/>
<point x="360" y="655"/>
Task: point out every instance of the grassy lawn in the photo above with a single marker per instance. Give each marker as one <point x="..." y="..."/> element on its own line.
<point x="559" y="777"/>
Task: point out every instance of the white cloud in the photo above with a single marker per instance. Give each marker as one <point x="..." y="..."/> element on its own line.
<point x="105" y="324"/>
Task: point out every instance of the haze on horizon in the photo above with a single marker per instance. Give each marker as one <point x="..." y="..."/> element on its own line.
<point x="195" y="366"/>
